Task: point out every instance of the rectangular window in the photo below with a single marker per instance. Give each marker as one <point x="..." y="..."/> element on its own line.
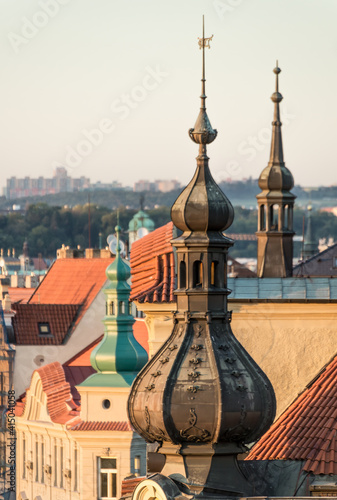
<point x="76" y="468"/>
<point x="36" y="461"/>
<point x="44" y="330"/>
<point x="55" y="465"/>
<point x="42" y="462"/>
<point x="136" y="465"/>
<point x="107" y="478"/>
<point x="24" y="457"/>
<point x="61" y="468"/>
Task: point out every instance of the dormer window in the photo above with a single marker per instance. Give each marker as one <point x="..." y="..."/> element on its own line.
<point x="44" y="330"/>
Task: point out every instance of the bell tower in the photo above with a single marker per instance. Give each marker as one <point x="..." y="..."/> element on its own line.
<point x="201" y="396"/>
<point x="275" y="206"/>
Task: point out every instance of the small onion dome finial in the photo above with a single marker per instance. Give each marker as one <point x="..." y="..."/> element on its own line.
<point x="202" y="133"/>
<point x="276" y="96"/>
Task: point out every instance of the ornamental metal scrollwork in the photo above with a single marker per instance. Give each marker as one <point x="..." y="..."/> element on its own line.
<point x="157" y="434"/>
<point x="198" y="330"/>
<point x="193" y="433"/>
<point x="195" y="361"/>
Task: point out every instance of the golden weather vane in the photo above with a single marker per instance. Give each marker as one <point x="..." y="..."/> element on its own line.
<point x="204" y="42"/>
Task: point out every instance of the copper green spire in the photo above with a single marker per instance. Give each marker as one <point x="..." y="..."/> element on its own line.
<point x="118" y="357"/>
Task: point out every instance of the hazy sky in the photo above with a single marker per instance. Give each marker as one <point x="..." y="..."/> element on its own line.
<point x="132" y="69"/>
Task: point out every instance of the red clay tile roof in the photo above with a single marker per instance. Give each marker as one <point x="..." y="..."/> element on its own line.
<point x="141" y="333"/>
<point x="21" y="295"/>
<point x="307" y="430"/>
<point x="57" y="390"/>
<point x="102" y="426"/>
<point x="19" y="408"/>
<point x="129" y="484"/>
<point x="72" y="281"/>
<point x="26" y="322"/>
<point x="152" y="267"/>
<point x="75" y="375"/>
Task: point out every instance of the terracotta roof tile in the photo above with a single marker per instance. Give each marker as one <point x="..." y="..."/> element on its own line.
<point x="21" y="295"/>
<point x="152" y="267"/>
<point x="307" y="430"/>
<point x="57" y="391"/>
<point x="72" y="281"/>
<point x="129" y="484"/>
<point x="102" y="426"/>
<point x="28" y="317"/>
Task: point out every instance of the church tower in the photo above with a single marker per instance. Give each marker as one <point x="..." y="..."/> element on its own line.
<point x="201" y="396"/>
<point x="118" y="357"/>
<point x="275" y="206"/>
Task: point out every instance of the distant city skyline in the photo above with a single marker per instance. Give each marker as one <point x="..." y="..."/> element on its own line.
<point x="111" y="92"/>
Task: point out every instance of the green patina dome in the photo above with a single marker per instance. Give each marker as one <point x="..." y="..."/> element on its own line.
<point x="118" y="357"/>
<point x="141" y="219"/>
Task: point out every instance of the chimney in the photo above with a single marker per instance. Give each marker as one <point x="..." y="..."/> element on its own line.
<point x="7" y="304"/>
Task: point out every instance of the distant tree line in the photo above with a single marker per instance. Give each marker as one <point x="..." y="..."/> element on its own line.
<point x="47" y="227"/>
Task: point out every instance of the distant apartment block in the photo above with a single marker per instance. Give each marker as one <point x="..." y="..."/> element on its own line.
<point x="163" y="186"/>
<point x="60" y="182"/>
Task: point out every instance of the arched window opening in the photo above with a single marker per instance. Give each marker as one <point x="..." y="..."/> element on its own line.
<point x="121" y="307"/>
<point x="112" y="308"/>
<point x="286" y="217"/>
<point x="274" y="216"/>
<point x="182" y="275"/>
<point x="214" y="273"/>
<point x="262" y="218"/>
<point x="197" y="274"/>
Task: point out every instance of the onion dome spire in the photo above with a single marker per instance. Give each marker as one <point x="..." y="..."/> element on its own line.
<point x="118" y="357"/>
<point x="275" y="205"/>
<point x="201" y="396"/>
<point x="202" y="206"/>
<point x="276" y="176"/>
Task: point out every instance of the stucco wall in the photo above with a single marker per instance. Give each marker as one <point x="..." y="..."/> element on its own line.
<point x="291" y="341"/>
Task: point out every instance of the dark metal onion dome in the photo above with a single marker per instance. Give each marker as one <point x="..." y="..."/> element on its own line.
<point x="276" y="176"/>
<point x="202" y="396"/>
<point x="202" y="206"/>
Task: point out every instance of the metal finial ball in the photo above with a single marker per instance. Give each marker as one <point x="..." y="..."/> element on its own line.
<point x="277" y="70"/>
